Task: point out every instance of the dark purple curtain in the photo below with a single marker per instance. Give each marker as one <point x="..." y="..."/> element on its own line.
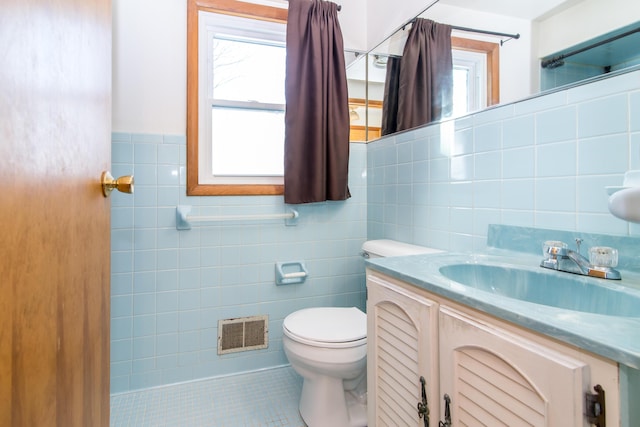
<point x="316" y="142"/>
<point x="390" y="96"/>
<point x="425" y="89"/>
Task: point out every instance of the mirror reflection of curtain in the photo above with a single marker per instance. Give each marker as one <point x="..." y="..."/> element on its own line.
<point x="390" y="96"/>
<point x="316" y="159"/>
<point x="424" y="77"/>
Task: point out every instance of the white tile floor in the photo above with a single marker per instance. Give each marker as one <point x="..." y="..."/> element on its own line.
<point x="267" y="398"/>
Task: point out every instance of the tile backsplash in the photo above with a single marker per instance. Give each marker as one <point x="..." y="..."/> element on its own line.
<point x="530" y="240"/>
<point x="169" y="287"/>
<point x="543" y="162"/>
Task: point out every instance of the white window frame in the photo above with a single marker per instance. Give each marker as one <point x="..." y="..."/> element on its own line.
<point x="209" y="25"/>
<point x="476" y="65"/>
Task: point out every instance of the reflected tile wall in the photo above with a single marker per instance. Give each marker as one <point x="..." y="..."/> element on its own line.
<point x="540" y="163"/>
<point x="169" y="288"/>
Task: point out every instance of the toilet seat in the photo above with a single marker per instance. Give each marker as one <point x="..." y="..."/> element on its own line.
<point x="329" y="327"/>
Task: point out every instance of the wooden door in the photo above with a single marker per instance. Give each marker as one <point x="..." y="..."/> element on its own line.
<point x="401" y="328"/>
<point x="55" y="120"/>
<point x="497" y="378"/>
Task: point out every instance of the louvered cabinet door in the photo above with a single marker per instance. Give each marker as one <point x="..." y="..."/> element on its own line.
<point x="402" y="347"/>
<point x="498" y="378"/>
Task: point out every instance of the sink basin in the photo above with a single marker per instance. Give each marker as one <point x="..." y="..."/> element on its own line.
<point x="561" y="290"/>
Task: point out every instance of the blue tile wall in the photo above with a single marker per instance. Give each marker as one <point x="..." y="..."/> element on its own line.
<point x="541" y="163"/>
<point x="169" y="288"/>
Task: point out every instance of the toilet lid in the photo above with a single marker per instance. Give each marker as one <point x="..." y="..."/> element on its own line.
<point x="328" y="324"/>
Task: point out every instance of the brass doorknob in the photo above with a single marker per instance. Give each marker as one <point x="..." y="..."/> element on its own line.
<point x="124" y="184"/>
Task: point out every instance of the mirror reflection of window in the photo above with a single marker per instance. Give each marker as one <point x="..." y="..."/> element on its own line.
<point x="461" y="77"/>
<point x="469" y="82"/>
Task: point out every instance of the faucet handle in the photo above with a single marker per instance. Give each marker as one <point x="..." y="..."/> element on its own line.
<point x="603" y="256"/>
<point x="553" y="249"/>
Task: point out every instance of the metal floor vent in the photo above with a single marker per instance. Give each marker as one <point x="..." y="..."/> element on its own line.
<point x="242" y="334"/>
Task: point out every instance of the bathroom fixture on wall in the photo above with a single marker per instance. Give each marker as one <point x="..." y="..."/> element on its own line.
<point x="353" y="114"/>
<point x="242" y="334"/>
<point x="289" y="273"/>
<point x="184" y="220"/>
<point x="624" y="202"/>
<point x="600" y="264"/>
<point x="124" y="184"/>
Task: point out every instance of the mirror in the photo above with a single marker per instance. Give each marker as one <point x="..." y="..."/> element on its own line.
<point x="366" y="86"/>
<point x="509" y="68"/>
<point x="357" y="87"/>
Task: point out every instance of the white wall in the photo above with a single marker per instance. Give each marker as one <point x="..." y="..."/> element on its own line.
<point x="149" y="66"/>
<point x="353" y="24"/>
<point x="386" y="16"/>
<point x="149" y="61"/>
<point x="585" y="21"/>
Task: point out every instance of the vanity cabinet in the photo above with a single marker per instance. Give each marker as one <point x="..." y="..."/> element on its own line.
<point x="400" y="327"/>
<point x="494" y="373"/>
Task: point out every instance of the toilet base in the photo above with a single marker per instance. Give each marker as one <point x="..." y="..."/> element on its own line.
<point x="324" y="402"/>
<point x="357" y="410"/>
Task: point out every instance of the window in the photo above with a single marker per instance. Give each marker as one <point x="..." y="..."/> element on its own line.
<point x="476" y="75"/>
<point x="235" y="117"/>
<point x="469" y="81"/>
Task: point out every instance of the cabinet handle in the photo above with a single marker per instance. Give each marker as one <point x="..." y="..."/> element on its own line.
<point x="595" y="404"/>
<point x="423" y="407"/>
<point x="447" y="412"/>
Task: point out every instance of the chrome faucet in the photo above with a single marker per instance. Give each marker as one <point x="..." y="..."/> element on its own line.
<point x="558" y="257"/>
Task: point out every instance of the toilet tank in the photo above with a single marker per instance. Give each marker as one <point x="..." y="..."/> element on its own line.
<point x="386" y="248"/>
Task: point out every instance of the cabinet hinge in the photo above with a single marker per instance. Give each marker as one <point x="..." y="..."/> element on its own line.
<point x="423" y="406"/>
<point x="447" y="412"/>
<point x="595" y="407"/>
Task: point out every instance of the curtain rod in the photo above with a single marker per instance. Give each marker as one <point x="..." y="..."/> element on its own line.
<point x="339" y="6"/>
<point x="475" y="30"/>
<point x="556" y="60"/>
<point x="493" y="33"/>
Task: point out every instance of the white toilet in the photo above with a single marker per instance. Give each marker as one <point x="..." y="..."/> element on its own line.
<point x="327" y="346"/>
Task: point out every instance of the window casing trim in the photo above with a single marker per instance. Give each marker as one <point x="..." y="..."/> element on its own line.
<point x="228" y="7"/>
<point x="492" y="50"/>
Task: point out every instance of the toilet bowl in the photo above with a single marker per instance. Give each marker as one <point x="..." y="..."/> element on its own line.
<point x="327" y="346"/>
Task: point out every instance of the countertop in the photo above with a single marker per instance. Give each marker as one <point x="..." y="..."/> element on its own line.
<point x="613" y="337"/>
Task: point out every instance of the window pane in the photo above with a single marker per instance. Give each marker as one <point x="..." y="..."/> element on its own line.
<point x="460" y="91"/>
<point x="247" y="142"/>
<point x="247" y="71"/>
